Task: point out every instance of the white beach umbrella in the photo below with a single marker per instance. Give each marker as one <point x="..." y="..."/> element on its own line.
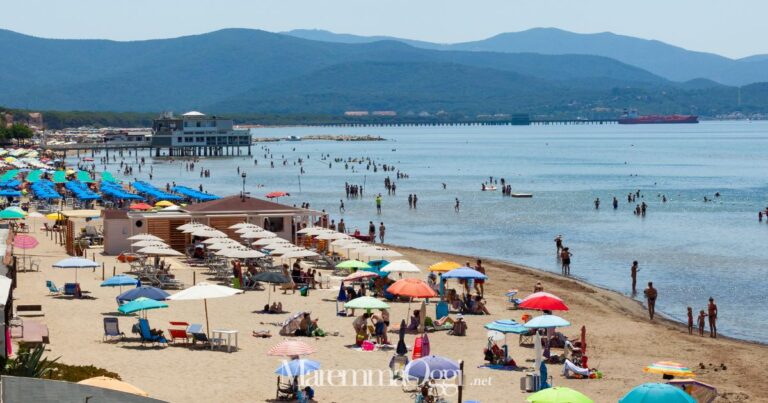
<point x="211" y="241"/>
<point x="278" y="245"/>
<point x="208" y="233"/>
<point x="204" y="291"/>
<point x="346" y="241"/>
<point x="400" y="266"/>
<point x="158" y="251"/>
<point x="268" y="241"/>
<point x="223" y="245"/>
<point x="35" y="214"/>
<point x="75" y="263"/>
<point x="189" y="225"/>
<point x="248" y="228"/>
<point x="282" y="251"/>
<point x="143" y="244"/>
<point x="144" y="237"/>
<point x="241" y="253"/>
<point x="309" y="230"/>
<point x="331" y="236"/>
<point x="379" y="252"/>
<point x="242" y="225"/>
<point x="298" y="254"/>
<point x="257" y="235"/>
<point x="195" y="227"/>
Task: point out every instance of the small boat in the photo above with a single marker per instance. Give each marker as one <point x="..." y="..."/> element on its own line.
<point x="521" y="195"/>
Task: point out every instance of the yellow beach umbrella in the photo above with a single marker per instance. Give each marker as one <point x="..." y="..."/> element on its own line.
<point x="443" y="267"/>
<point x="10" y="159"/>
<point x="113" y="384"/>
<point x="55" y="216"/>
<point x="164" y="203"/>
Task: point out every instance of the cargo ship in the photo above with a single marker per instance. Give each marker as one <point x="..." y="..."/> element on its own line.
<point x="632" y="118"/>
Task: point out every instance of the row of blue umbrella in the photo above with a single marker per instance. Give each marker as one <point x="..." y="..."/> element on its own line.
<point x="116" y="191"/>
<point x="81" y="191"/>
<point x="151" y="191"/>
<point x="44" y="189"/>
<point x="194" y="194"/>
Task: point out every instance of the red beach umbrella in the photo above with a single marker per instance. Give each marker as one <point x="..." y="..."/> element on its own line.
<point x="24" y="241"/>
<point x="543" y="301"/>
<point x="140" y="206"/>
<point x="274" y="195"/>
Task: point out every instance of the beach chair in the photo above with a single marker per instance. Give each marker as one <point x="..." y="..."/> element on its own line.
<point x="52" y="289"/>
<point x="286" y="391"/>
<point x="178" y="333"/>
<point x="196" y="331"/>
<point x="146" y="334"/>
<point x="112" y="329"/>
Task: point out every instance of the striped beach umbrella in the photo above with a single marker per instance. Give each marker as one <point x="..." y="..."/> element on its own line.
<point x="669" y="368"/>
<point x="291" y="348"/>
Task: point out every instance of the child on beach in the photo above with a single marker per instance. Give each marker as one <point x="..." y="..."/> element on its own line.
<point x="690" y="320"/>
<point x="702" y="315"/>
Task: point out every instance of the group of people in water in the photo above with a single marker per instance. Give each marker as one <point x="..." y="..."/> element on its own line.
<point x="563" y="255"/>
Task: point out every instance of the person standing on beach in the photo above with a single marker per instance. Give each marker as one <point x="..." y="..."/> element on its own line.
<point x="702" y="315"/>
<point x="634" y="271"/>
<point x="759" y="215"/>
<point x="410" y="201"/>
<point x="565" y="257"/>
<point x="381" y="232"/>
<point x="342" y="227"/>
<point x="712" y="308"/>
<point x="690" y="320"/>
<point x="650" y="295"/>
<point x="480" y="283"/>
<point x="378" y="204"/>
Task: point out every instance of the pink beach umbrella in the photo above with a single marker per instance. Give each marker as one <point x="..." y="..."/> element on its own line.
<point x="24" y="242"/>
<point x="291" y="348"/>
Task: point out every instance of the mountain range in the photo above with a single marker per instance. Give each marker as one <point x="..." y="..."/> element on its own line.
<point x="665" y="60"/>
<point x="252" y="71"/>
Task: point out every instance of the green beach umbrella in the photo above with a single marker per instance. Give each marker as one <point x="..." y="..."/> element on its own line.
<point x="141" y="304"/>
<point x="366" y="303"/>
<point x="558" y="395"/>
<point x="353" y="264"/>
<point x="8" y="214"/>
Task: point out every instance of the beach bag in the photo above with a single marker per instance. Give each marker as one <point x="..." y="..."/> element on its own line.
<point x="367" y="346"/>
<point x="417" y="345"/>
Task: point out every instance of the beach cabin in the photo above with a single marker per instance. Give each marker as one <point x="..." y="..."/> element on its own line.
<point x="222" y="213"/>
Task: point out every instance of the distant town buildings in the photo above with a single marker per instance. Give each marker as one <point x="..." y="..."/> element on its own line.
<point x="366" y="113"/>
<point x="356" y="113"/>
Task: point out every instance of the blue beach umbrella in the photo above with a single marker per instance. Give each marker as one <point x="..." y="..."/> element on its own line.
<point x="75" y="263"/>
<point x="119" y="281"/>
<point x="143" y="292"/>
<point x="376" y="266"/>
<point x="141" y="304"/>
<point x="465" y="273"/>
<point x="297" y="367"/>
<point x="432" y="367"/>
<point x="546" y="321"/>
<point x="507" y="326"/>
<point x="656" y="392"/>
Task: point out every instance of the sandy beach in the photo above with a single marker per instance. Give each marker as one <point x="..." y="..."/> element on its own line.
<point x="621" y="339"/>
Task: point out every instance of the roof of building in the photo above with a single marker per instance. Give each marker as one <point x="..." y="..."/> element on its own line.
<point x="16" y="389"/>
<point x="236" y="203"/>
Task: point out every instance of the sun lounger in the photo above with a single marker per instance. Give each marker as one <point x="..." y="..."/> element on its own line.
<point x="196" y="331"/>
<point x="178" y="333"/>
<point x="146" y="334"/>
<point x="112" y="329"/>
<point x="53" y="290"/>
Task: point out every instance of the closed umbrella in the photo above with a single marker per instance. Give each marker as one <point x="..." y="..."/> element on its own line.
<point x="75" y="263"/>
<point x="204" y="291"/>
<point x="271" y="277"/>
<point x="297" y="367"/>
<point x="143" y="292"/>
<point x="656" y="392"/>
<point x="543" y="301"/>
<point x="291" y="348"/>
<point x="558" y="395"/>
<point x="402" y="349"/>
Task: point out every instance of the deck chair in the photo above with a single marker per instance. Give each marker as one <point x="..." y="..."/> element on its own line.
<point x="146" y="334"/>
<point x="286" y="391"/>
<point x="112" y="329"/>
<point x="178" y="333"/>
<point x="52" y="289"/>
<point x="196" y="331"/>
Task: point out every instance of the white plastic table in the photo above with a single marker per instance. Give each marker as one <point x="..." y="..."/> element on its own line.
<point x="218" y="334"/>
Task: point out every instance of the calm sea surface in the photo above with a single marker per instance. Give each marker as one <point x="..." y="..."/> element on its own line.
<point x="689" y="248"/>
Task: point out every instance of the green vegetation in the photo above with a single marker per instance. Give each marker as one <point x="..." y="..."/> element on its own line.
<point x="29" y="362"/>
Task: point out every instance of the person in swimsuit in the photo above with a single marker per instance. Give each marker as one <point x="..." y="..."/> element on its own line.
<point x="634" y="269"/>
<point x="480" y="283"/>
<point x="650" y="295"/>
<point x="712" y="308"/>
<point x="565" y="257"/>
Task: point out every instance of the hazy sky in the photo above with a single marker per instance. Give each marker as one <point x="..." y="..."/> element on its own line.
<point x="734" y="28"/>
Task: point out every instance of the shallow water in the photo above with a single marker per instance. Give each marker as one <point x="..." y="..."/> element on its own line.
<point x="690" y="249"/>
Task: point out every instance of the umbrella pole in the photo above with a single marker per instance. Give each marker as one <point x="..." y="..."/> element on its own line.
<point x="207" y="325"/>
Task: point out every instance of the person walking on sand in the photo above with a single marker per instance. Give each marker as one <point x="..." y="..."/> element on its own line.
<point x="456" y="206"/>
<point x="690" y="320"/>
<point x="382" y="228"/>
<point x="565" y="257"/>
<point x="378" y="204"/>
<point x="633" y="272"/>
<point x="712" y="308"/>
<point x="650" y="295"/>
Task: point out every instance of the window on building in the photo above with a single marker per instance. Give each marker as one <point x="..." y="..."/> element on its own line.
<point x="274" y="224"/>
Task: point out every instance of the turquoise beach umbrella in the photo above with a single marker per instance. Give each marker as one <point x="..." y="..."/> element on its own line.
<point x="657" y="392"/>
<point x="141" y="304"/>
<point x="11" y="215"/>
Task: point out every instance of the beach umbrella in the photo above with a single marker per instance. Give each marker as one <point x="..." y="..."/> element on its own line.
<point x="7" y="214"/>
<point x="164" y="203"/>
<point x="402" y="349"/>
<point x="297" y="367"/>
<point x="208" y="233"/>
<point x="291" y="348"/>
<point x="189" y="225"/>
<point x="425" y="345"/>
<point x="359" y="275"/>
<point x="558" y="395"/>
<point x="144" y="244"/>
<point x="211" y="241"/>
<point x="367" y="303"/>
<point x="432" y="367"/>
<point x="346" y="241"/>
<point x="9" y="192"/>
<point x="144" y="237"/>
<point x="656" y="392"/>
<point x="192" y="228"/>
<point x="283" y="249"/>
<point x="144" y="291"/>
<point x="35" y="214"/>
<point x="55" y="216"/>
<point x="119" y="281"/>
<point x="257" y="234"/>
<point x="298" y="254"/>
<point x="159" y="251"/>
<point x="314" y="231"/>
<point x="268" y="241"/>
<point x="353" y="264"/>
<point x="204" y="291"/>
<point x="17" y="209"/>
<point x="141" y="304"/>
<point x="702" y="392"/>
<point x="223" y="245"/>
<point x="140" y="206"/>
<point x="113" y="384"/>
<point x="243" y="225"/>
<point x="543" y="301"/>
<point x="444" y="266"/>
<point x="241" y="253"/>
<point x="24" y="242"/>
<point x="75" y="263"/>
<point x="546" y="321"/>
<point x="411" y="287"/>
<point x="464" y="273"/>
<point x="400" y="266"/>
<point x="271" y="277"/>
<point x="276" y="195"/>
<point x="332" y="236"/>
<point x="668" y="368"/>
<point x="505" y="326"/>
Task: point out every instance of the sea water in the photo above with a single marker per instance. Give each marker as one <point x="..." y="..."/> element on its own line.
<point x="689" y="248"/>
